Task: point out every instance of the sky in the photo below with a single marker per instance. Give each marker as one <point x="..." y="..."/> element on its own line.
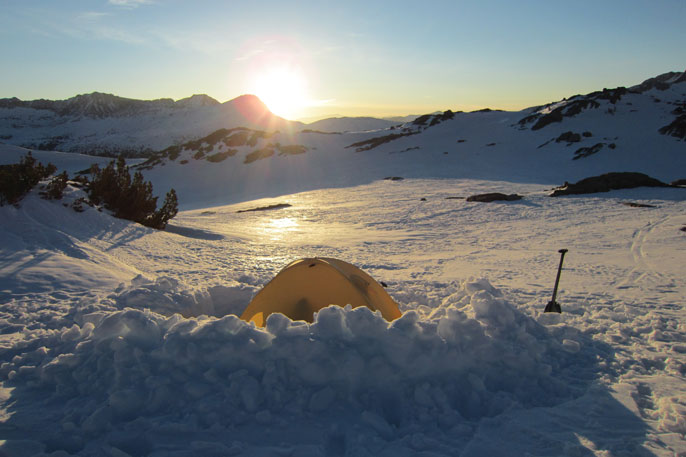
<point x="315" y="59"/>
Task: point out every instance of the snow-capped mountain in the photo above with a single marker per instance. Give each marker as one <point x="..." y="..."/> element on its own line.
<point x="351" y="124"/>
<point x="104" y="124"/>
<point x="246" y="152"/>
<point x="638" y="129"/>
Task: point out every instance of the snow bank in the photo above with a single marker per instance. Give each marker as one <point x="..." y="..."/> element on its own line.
<point x="131" y="374"/>
<point x="165" y="296"/>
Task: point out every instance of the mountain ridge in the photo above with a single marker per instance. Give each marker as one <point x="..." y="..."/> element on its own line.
<point x="106" y="124"/>
<point x="100" y="104"/>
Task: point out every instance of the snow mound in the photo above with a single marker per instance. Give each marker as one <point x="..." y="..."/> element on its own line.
<point x="124" y="373"/>
<point x="165" y="296"/>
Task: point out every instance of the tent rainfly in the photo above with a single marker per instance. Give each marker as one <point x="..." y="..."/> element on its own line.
<point x="307" y="285"/>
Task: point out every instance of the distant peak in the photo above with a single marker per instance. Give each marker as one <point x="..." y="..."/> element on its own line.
<point x="248" y="99"/>
<point x="250" y="104"/>
<point x="197" y="100"/>
<point x="94" y="96"/>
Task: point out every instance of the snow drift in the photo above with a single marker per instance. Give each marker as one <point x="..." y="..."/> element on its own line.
<point x="474" y="356"/>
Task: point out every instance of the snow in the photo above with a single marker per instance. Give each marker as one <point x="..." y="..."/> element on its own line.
<point x="67" y="161"/>
<point x="481" y="145"/>
<point x="121" y="340"/>
<point x="155" y="126"/>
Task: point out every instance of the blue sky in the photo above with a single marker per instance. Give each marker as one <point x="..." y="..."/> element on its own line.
<point x="349" y="58"/>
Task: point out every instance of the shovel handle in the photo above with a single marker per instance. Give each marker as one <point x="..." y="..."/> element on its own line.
<point x="559" y="270"/>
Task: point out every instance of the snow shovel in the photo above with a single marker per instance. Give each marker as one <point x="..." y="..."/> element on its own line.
<point x="553" y="306"/>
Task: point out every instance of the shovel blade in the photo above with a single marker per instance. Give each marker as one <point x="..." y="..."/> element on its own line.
<point x="552" y="307"/>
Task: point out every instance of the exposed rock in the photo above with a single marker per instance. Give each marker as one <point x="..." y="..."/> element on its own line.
<point x="394" y="178"/>
<point x="218" y="157"/>
<point x="266" y="208"/>
<point x="661" y="82"/>
<point x="556" y="112"/>
<point x="607" y="182"/>
<point x="322" y="132"/>
<point x="569" y="109"/>
<point x="613" y="95"/>
<point x="372" y="143"/>
<point x="678" y="182"/>
<point x="291" y="149"/>
<point x="433" y="119"/>
<point x="568" y="137"/>
<point x="587" y="134"/>
<point x="494" y="196"/>
<point x="259" y="154"/>
<point x="229" y="138"/>
<point x="677" y="128"/>
<point x="638" y="205"/>
<point x="587" y="151"/>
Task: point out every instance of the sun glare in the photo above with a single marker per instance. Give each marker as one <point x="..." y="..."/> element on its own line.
<point x="283" y="90"/>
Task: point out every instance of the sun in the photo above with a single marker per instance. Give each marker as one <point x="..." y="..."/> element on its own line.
<point x="283" y="89"/>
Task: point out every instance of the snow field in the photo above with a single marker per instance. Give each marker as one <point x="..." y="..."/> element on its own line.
<point x="151" y="359"/>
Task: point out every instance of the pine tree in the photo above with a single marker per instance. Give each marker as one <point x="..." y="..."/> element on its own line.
<point x="168" y="210"/>
<point x="130" y="198"/>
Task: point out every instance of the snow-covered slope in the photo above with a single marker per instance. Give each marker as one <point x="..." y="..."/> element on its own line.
<point x="119" y="340"/>
<point x="612" y="130"/>
<point x="70" y="162"/>
<point x="105" y="124"/>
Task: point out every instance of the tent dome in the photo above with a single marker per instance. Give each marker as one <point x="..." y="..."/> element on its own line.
<point x="307" y="285"/>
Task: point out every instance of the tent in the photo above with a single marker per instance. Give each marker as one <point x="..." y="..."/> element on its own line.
<point x="307" y="285"/>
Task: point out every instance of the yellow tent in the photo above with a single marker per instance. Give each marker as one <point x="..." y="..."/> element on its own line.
<point x="307" y="285"/>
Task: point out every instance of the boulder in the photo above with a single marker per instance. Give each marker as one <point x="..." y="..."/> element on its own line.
<point x="638" y="205"/>
<point x="607" y="182"/>
<point x="493" y="196"/>
<point x="568" y="137"/>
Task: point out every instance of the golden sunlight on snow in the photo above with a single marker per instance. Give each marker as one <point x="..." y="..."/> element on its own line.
<point x="279" y="228"/>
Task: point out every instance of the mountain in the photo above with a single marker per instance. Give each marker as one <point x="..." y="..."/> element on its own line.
<point x="105" y="124"/>
<point x="238" y="150"/>
<point x="404" y="119"/>
<point x="350" y="124"/>
<point x="635" y="130"/>
<point x="100" y="105"/>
